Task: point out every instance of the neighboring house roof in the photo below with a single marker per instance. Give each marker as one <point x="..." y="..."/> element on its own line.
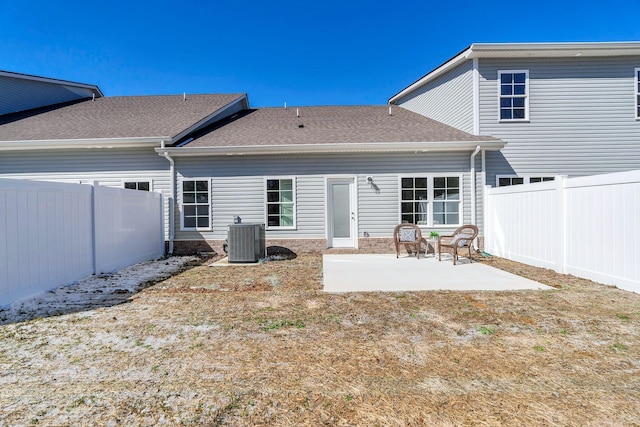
<point x="343" y="128"/>
<point x="23" y="91"/>
<point x="524" y="50"/>
<point x="161" y="117"/>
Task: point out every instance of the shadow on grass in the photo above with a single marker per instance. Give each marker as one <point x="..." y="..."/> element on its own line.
<point x="101" y="291"/>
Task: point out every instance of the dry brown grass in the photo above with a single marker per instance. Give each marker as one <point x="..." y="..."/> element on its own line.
<point x="264" y="345"/>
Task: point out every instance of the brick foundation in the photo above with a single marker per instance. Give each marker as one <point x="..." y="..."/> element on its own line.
<point x="367" y="245"/>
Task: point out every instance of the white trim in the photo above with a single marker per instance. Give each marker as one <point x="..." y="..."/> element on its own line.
<point x="636" y="80"/>
<point x="138" y="180"/>
<point x="526" y="95"/>
<point x="368" y="147"/>
<point x="295" y="202"/>
<point x="450" y="64"/>
<point x="83" y="143"/>
<point x="476" y="97"/>
<point x="52" y="81"/>
<point x="181" y="203"/>
<point x="430" y="200"/>
<point x="209" y="118"/>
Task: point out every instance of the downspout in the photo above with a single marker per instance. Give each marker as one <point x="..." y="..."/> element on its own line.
<point x="171" y="200"/>
<point x="473" y="185"/>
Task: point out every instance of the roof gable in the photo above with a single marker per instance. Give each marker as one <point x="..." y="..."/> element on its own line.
<point x="22" y="92"/>
<point x="524" y="50"/>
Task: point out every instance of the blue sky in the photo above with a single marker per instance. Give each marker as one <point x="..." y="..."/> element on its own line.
<point x="303" y="53"/>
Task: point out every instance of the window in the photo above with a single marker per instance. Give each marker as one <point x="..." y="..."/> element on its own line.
<point x="446" y="200"/>
<point x="506" y="180"/>
<point x="514" y="91"/>
<point x="429" y="200"/>
<point x="509" y="180"/>
<point x="414" y="205"/>
<point x="637" y="84"/>
<point x="196" y="204"/>
<point x="138" y="185"/>
<point x="280" y="202"/>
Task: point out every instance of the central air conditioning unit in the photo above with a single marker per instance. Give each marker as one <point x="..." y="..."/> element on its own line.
<point x="246" y="242"/>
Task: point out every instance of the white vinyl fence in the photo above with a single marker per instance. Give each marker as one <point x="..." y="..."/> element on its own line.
<point x="587" y="226"/>
<point x="53" y="234"/>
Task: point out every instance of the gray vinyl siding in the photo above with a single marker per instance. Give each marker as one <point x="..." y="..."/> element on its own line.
<point x="20" y="94"/>
<point x="108" y="167"/>
<point x="581" y="117"/>
<point x="447" y="99"/>
<point x="237" y="188"/>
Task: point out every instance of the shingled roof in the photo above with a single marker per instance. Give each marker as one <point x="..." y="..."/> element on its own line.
<point x="328" y="125"/>
<point x="113" y="117"/>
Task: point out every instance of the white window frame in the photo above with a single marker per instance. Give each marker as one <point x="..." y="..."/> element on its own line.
<point x="430" y="200"/>
<point x="636" y="80"/>
<point x="526" y="95"/>
<point x="181" y="189"/>
<point x="137" y="181"/>
<point x="295" y="203"/>
<point x="526" y="179"/>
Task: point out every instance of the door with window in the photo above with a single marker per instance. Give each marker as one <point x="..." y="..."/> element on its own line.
<point x="341" y="213"/>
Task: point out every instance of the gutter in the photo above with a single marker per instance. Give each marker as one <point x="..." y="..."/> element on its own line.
<point x="82" y="143"/>
<point x="473" y="186"/>
<point x="166" y="155"/>
<point x="382" y="147"/>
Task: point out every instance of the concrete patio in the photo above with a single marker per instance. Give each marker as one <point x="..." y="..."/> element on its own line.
<point x="369" y="272"/>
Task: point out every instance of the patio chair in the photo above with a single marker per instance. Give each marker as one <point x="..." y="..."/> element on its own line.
<point x="409" y="235"/>
<point x="461" y="238"/>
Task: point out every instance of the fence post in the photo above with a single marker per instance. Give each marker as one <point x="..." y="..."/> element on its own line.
<point x="94" y="255"/>
<point x="561" y="221"/>
<point x="488" y="219"/>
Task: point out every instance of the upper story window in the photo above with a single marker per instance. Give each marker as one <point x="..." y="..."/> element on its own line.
<point x="637" y="82"/>
<point x="514" y="95"/>
<point x="280" y="203"/>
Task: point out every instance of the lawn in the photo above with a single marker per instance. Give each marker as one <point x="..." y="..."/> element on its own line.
<point x="263" y="345"/>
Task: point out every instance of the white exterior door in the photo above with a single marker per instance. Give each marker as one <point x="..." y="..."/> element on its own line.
<point x="341" y="213"/>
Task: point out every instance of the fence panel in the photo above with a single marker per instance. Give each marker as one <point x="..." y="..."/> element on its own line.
<point x="53" y="234"/>
<point x="127" y="227"/>
<point x="585" y="226"/>
<point x="602" y="214"/>
<point x="46" y="236"/>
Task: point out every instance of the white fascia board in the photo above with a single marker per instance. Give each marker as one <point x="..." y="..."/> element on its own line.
<point x="370" y="147"/>
<point x="205" y="121"/>
<point x="83" y="143"/>
<point x="93" y="88"/>
<point x="544" y="50"/>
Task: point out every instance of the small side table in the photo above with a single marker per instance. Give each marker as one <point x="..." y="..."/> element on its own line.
<point x="434" y="245"/>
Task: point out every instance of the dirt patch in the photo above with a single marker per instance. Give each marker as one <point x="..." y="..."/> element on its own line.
<point x="263" y="345"/>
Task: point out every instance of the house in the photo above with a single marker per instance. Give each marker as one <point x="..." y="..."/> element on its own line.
<point x="318" y="177"/>
<point x="342" y="177"/>
<point x="562" y="108"/>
